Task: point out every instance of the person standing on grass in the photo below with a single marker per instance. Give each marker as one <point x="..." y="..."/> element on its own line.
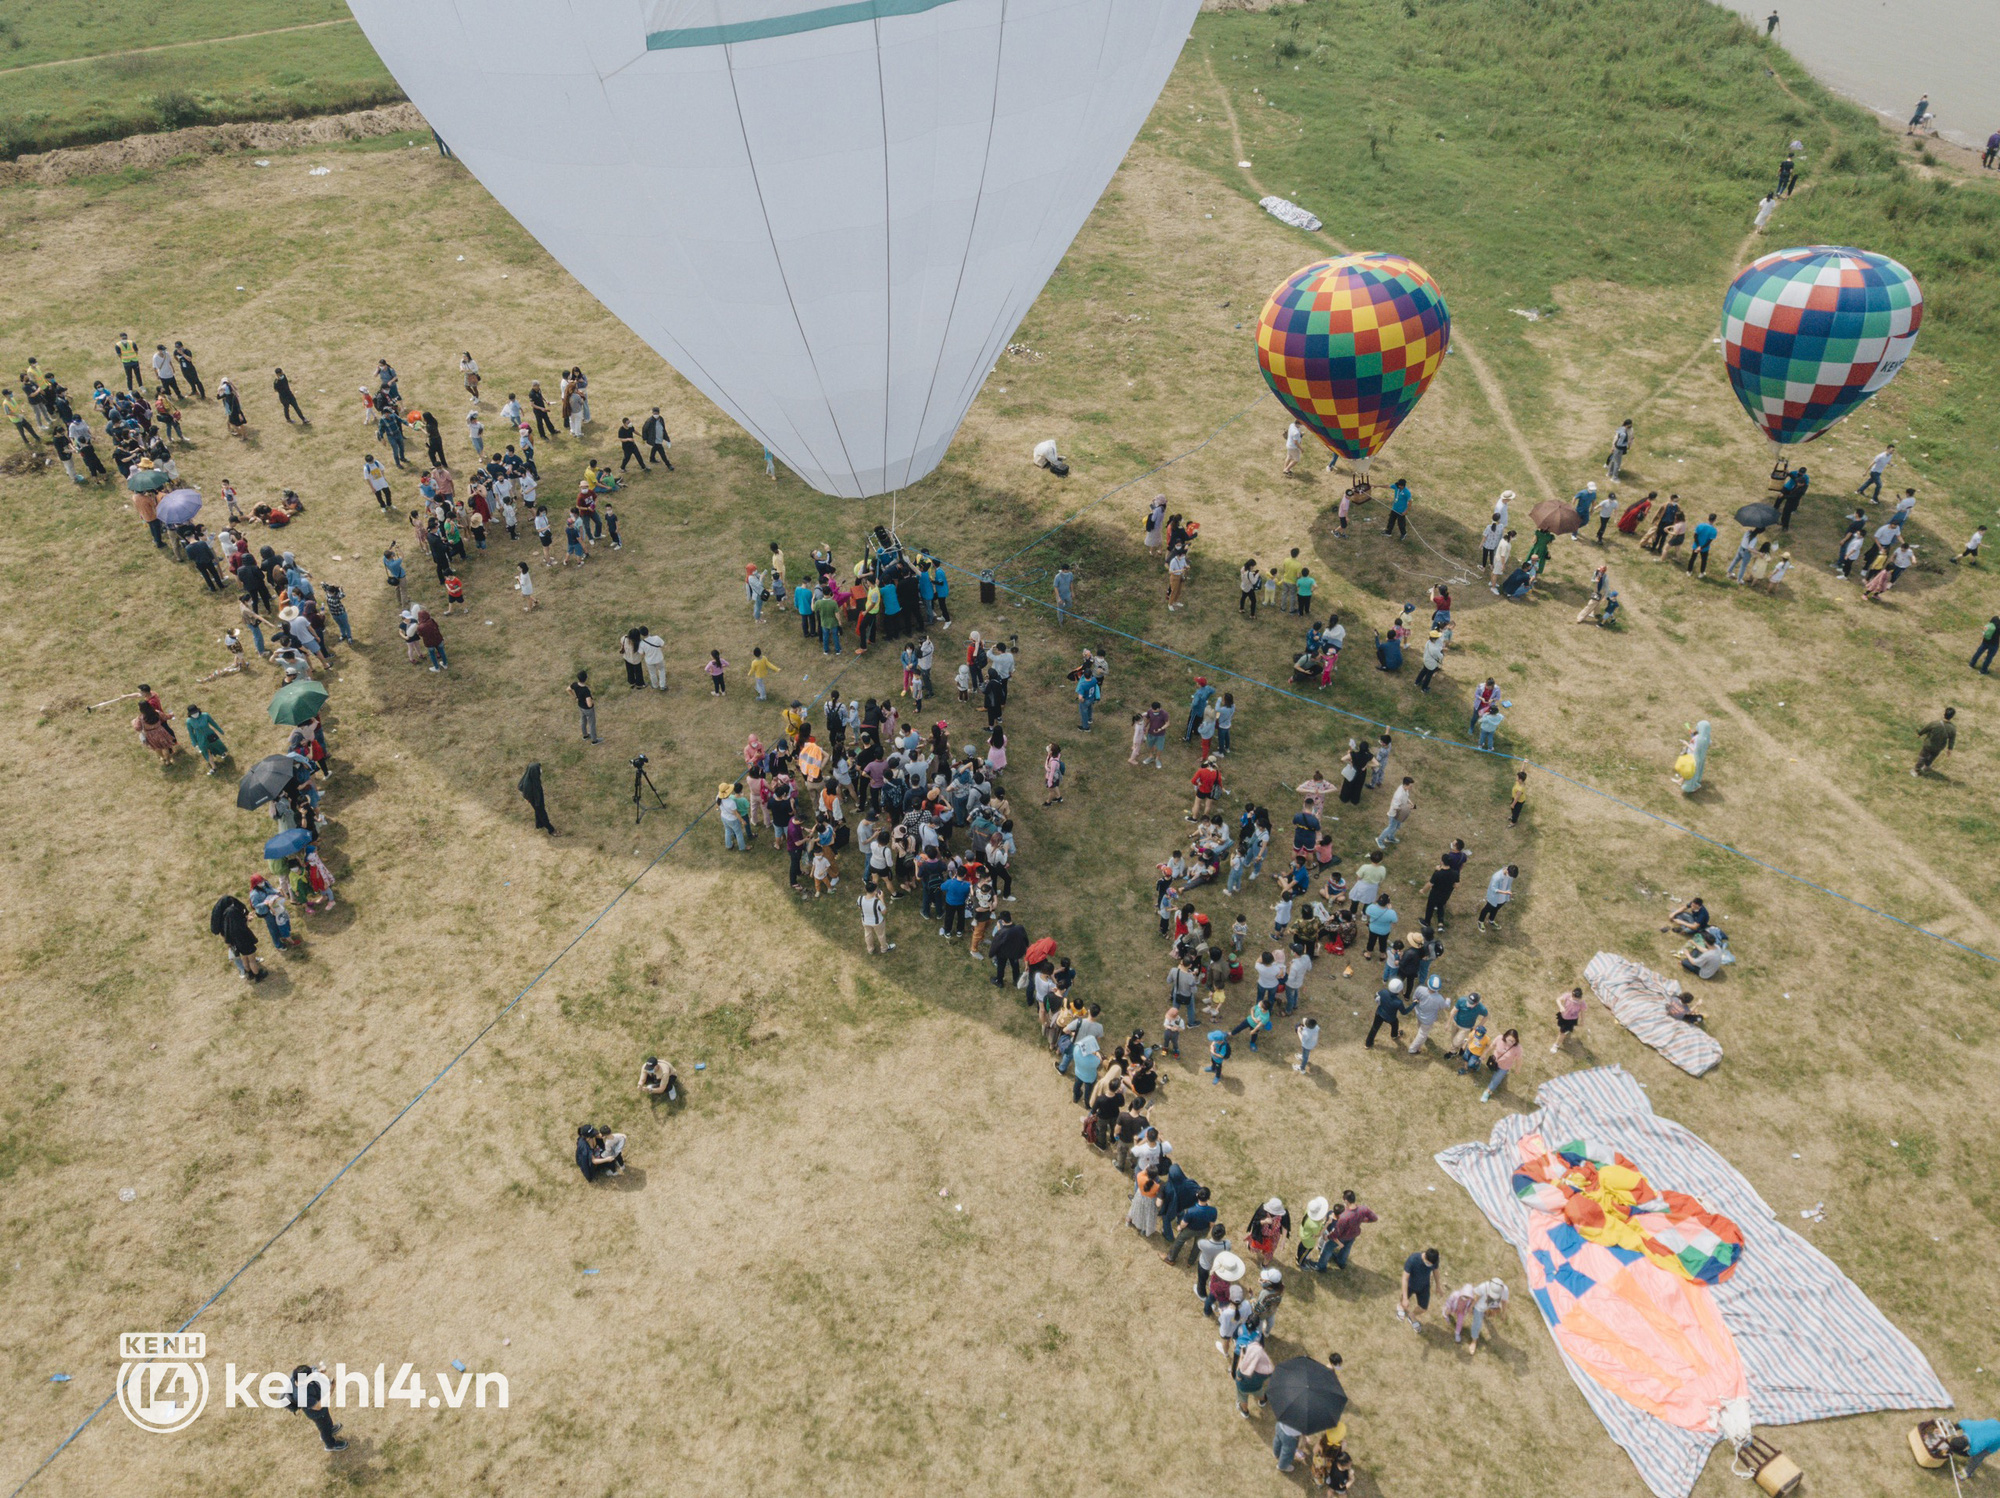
<point x="1399" y="510"/>
<point x="1337" y="1243"/>
<point x="1614" y="465"/>
<point x="1065" y="586"/>
<point x="230" y="920"/>
<point x="653" y="652"/>
<point x="1308" y="1033"/>
<point x="1936" y="738"/>
<point x="1569" y="1014"/>
<point x="1877" y="466"/>
<point x="586" y="706"/>
<point x="875" y="923"/>
<point x="1053" y="770"/>
<point x="1415" y="1296"/>
<point x="1389" y="1010"/>
<point x="1766" y="206"/>
<point x="1444" y="879"/>
<point x="1504" y="1057"/>
<point x="1295" y="438"/>
<point x="1499" y="890"/>
<point x="1401" y="806"/>
<point x="1519" y="797"/>
<point x="1433" y="660"/>
<point x="287" y="402"/>
<point x="1989" y="642"/>
<point x="653" y="432"/>
<point x="1177" y="570"/>
<point x="715" y="666"/>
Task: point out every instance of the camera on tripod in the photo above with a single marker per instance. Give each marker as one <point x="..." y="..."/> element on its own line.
<point x="641" y="784"/>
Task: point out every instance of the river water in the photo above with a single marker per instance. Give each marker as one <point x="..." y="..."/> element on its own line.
<point x="1886" y="53"/>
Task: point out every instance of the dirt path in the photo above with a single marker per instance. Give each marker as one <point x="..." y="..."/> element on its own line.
<point x="1496" y="398"/>
<point x="200" y="41"/>
<point x="1870" y="830"/>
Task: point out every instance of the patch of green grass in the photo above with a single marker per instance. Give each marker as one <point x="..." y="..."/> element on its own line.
<point x="287" y="76"/>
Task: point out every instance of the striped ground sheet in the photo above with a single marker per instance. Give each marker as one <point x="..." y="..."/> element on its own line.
<point x="1812" y="1345"/>
<point x="1638" y="997"/>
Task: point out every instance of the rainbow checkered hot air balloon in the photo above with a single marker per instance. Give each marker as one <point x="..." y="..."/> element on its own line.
<point x="1350" y="346"/>
<point x="1811" y="333"/>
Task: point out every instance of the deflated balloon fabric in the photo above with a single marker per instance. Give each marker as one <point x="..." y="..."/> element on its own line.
<point x="1621" y="1271"/>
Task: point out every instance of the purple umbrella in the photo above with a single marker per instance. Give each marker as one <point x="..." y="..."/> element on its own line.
<point x="179" y="507"/>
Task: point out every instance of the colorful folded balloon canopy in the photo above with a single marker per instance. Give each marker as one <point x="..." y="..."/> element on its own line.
<point x="1811" y="333"/>
<point x="1622" y="1272"/>
<point x="1350" y="345"/>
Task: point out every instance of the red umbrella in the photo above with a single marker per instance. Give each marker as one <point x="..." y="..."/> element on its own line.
<point x="1042" y="950"/>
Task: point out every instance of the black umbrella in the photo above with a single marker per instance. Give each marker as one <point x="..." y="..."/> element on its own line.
<point x="1758" y="516"/>
<point x="1306" y="1395"/>
<point x="266" y="781"/>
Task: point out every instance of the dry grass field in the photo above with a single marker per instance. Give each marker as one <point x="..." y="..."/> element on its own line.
<point x="870" y="1253"/>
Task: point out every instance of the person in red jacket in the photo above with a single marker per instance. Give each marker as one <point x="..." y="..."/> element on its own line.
<point x="432" y="638"/>
<point x="1205" y="781"/>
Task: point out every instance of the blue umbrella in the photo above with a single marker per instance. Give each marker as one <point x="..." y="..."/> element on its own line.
<point x="179" y="507"/>
<point x="285" y="844"/>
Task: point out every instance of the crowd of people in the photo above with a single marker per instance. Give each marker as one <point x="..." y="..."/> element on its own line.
<point x="873" y="790"/>
<point x="285" y="616"/>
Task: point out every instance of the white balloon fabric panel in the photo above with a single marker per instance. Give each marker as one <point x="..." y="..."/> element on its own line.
<point x="830" y="217"/>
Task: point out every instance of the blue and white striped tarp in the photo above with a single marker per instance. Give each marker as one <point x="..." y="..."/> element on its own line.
<point x="1638" y="997"/>
<point x="1813" y="1346"/>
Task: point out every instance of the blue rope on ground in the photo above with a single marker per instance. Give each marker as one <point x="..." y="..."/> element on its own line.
<point x="422" y="1093"/>
<point x="1448" y="743"/>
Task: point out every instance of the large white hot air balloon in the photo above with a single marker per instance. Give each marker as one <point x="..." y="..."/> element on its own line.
<point x="828" y="216"/>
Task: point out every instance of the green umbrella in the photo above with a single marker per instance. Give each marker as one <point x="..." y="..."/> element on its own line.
<point x="298" y="702"/>
<point x="145" y="480"/>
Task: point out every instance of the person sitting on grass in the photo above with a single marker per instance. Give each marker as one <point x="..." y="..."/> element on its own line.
<point x="657" y="1079"/>
<point x="599" y="1153"/>
<point x="1681" y="1006"/>
<point x="1704" y="957"/>
<point x="1690" y="920"/>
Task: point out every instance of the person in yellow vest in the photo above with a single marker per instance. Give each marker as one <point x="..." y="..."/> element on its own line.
<point x="128" y="355"/>
<point x="13" y="411"/>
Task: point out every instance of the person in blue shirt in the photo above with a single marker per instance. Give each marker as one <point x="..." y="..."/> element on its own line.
<point x="1976" y="1440"/>
<point x="1399" y="509"/>
<point x="1381" y="917"/>
<point x="393" y="565"/>
<point x="1704" y="537"/>
<point x="956" y="891"/>
<point x="802" y="600"/>
<point x="941" y="592"/>
<point x="1225" y="716"/>
<point x="1065" y="592"/>
<point x="1388" y="653"/>
<point x="926" y="592"/>
<point x="1202" y="693"/>
<point x="1087" y="693"/>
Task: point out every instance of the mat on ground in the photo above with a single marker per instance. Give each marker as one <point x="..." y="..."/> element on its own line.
<point x="1642" y="1000"/>
<point x="1670" y="1286"/>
